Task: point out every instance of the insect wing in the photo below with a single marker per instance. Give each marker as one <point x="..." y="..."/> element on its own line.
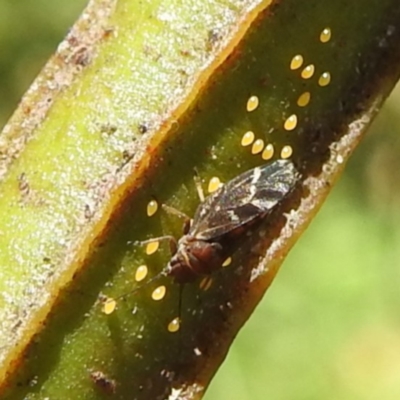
<point x="249" y="196"/>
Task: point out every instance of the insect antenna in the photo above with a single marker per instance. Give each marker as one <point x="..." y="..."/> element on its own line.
<point x="181" y="287"/>
<point x="109" y="304"/>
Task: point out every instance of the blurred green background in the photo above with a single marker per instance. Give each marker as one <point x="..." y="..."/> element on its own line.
<point x="329" y="327"/>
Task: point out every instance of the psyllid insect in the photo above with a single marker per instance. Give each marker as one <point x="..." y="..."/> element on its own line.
<point x="224" y="219"/>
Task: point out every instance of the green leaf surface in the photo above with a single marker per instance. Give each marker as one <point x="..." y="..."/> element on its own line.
<point x="138" y="98"/>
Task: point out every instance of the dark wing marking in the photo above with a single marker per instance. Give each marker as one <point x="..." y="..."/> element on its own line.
<point x="248" y="196"/>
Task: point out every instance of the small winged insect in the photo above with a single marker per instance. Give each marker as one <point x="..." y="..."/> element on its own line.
<point x="224" y="219"/>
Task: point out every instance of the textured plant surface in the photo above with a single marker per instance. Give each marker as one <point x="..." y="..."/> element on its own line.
<point x="138" y="99"/>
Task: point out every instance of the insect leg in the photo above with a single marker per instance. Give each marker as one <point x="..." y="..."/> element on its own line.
<point x="174" y="211"/>
<point x="181" y="287"/>
<point x="187" y="221"/>
<point x="172" y="242"/>
<point x="156" y="239"/>
<point x="199" y="188"/>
